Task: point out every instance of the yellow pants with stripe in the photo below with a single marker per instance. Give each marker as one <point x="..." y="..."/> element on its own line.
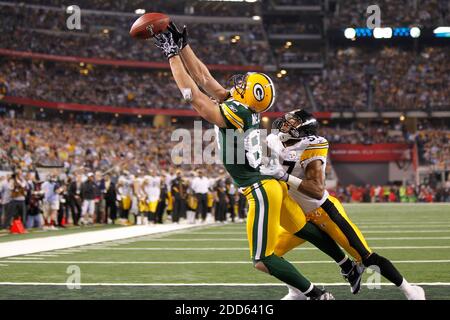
<point x="270" y="211"/>
<point x="344" y="232"/>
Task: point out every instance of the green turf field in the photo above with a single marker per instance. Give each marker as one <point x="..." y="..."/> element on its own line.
<point x="213" y="262"/>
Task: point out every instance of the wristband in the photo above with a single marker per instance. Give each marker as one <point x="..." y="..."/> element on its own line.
<point x="294" y="182"/>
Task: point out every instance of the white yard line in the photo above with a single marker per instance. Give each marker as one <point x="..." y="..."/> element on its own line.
<point x="42" y="255"/>
<point x="193" y="262"/>
<point x="222" y="284"/>
<point x="10" y="259"/>
<point x="21" y="247"/>
<point x="246" y="248"/>
<point x="62" y="253"/>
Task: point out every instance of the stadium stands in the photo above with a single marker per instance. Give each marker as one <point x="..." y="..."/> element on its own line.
<point x="393" y="13"/>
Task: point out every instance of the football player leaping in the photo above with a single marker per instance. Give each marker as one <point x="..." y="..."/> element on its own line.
<point x="239" y="111"/>
<point x="301" y="162"/>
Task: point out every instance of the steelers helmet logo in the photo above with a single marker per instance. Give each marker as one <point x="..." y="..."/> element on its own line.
<point x="258" y="92"/>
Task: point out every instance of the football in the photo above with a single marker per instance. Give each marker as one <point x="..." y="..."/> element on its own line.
<point x="149" y="24"/>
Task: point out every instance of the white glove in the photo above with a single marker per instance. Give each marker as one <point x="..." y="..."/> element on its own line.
<point x="274" y="169"/>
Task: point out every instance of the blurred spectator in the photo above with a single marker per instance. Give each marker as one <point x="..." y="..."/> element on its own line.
<point x="88" y="193"/>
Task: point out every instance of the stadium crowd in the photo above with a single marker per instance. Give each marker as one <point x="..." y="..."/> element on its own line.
<point x="405" y="13"/>
<point x="393" y="193"/>
<point x="411" y="83"/>
<point x="398" y="78"/>
<point x="106" y="36"/>
<point x="187" y="7"/>
<point x="71" y="83"/>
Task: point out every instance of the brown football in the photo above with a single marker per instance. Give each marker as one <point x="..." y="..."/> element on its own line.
<point x="149" y="24"/>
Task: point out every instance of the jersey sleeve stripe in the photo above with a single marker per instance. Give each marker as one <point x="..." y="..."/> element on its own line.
<point x="314" y="153"/>
<point x="233" y="115"/>
<point x="232" y="121"/>
<point x="318" y="144"/>
<point x="316" y="148"/>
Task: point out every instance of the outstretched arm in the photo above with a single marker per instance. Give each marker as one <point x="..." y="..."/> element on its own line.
<point x="197" y="69"/>
<point x="208" y="109"/>
<point x="202" y="76"/>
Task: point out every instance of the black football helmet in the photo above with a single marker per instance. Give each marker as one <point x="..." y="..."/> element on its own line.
<point x="296" y="124"/>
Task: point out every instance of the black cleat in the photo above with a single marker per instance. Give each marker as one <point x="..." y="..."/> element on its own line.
<point x="354" y="277"/>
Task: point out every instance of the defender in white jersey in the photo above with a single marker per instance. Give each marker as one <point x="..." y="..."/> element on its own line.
<point x="302" y="157"/>
<point x="295" y="159"/>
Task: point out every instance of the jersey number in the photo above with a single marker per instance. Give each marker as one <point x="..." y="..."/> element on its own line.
<point x="290" y="165"/>
<point x="253" y="148"/>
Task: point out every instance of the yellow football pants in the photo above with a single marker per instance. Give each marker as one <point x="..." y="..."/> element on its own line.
<point x="271" y="211"/>
<point x="346" y="234"/>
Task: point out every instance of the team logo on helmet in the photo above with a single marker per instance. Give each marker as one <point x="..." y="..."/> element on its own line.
<point x="258" y="92"/>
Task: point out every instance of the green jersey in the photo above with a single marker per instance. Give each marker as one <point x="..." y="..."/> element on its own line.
<point x="240" y="143"/>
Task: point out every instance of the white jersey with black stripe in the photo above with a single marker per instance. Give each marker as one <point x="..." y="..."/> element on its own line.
<point x="295" y="158"/>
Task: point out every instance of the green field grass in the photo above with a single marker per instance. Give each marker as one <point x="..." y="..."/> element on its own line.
<point x="213" y="262"/>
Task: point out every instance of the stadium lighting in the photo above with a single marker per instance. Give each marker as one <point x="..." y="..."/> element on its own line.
<point x="402" y="118"/>
<point x="250" y="1"/>
<point x="256" y="18"/>
<point x="116" y="115"/>
<point x="442" y="32"/>
<point x="414" y="32"/>
<point x="279" y="75"/>
<point x="139" y="11"/>
<point x="382" y="33"/>
<point x="265" y="119"/>
<point x="350" y="33"/>
<point x="283" y="72"/>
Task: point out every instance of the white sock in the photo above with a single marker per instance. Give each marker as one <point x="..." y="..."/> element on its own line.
<point x="405" y="286"/>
